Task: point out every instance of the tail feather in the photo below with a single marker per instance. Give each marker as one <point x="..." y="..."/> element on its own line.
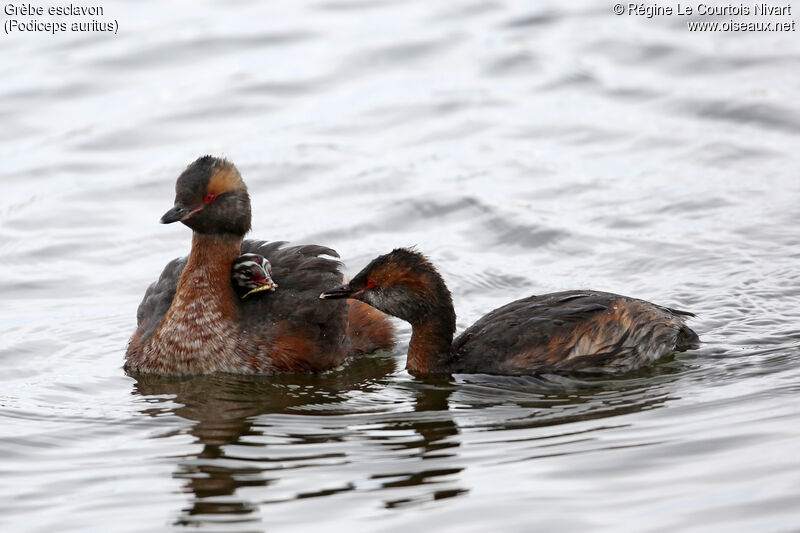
<point x="687" y="339"/>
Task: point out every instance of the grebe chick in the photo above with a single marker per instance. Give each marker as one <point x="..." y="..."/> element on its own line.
<point x="564" y="331"/>
<point x="252" y="273"/>
<point x="191" y="320"/>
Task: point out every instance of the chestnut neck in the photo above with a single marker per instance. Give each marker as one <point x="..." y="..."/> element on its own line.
<point x="210" y="247"/>
<point x="199" y="330"/>
<point x="209" y="265"/>
<point x="429" y="350"/>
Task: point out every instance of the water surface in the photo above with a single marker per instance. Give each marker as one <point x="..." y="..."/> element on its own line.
<point x="526" y="148"/>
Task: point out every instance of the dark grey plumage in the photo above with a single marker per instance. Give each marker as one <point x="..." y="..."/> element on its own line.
<point x="571" y="330"/>
<point x="158" y="297"/>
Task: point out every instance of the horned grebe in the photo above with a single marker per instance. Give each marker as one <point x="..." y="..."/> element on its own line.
<point x="192" y="322"/>
<point x="573" y="330"/>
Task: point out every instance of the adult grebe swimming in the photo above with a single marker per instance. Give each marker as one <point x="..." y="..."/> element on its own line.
<point x="573" y="330"/>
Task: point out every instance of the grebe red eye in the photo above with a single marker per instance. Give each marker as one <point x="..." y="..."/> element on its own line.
<point x="370" y="284"/>
<point x="210" y="197"/>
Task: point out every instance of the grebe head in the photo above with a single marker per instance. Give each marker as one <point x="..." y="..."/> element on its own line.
<point x="402" y="283"/>
<point x="211" y="198"/>
<point x="252" y="273"/>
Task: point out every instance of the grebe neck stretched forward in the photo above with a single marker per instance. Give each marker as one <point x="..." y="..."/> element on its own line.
<point x="573" y="330"/>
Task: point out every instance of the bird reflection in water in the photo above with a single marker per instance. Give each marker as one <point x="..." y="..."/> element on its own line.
<point x="226" y="411"/>
<point x="252" y="429"/>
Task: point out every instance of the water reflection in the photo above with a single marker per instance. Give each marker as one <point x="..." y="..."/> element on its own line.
<point x="558" y="399"/>
<point x="225" y="409"/>
<point x="435" y="441"/>
<point x="362" y="429"/>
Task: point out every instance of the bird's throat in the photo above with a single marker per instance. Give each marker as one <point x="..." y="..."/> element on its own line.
<point x="429" y="348"/>
<point x="207" y="274"/>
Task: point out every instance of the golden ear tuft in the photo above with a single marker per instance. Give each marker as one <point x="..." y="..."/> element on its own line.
<point x="224" y="178"/>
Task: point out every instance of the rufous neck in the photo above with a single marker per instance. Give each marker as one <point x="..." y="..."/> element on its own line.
<point x="209" y="268"/>
<point x="214" y="252"/>
<point x="431" y="341"/>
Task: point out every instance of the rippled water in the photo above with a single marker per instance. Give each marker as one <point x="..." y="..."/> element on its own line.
<point x="526" y="147"/>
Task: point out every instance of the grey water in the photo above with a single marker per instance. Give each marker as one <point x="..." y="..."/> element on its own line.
<point x="526" y="147"/>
